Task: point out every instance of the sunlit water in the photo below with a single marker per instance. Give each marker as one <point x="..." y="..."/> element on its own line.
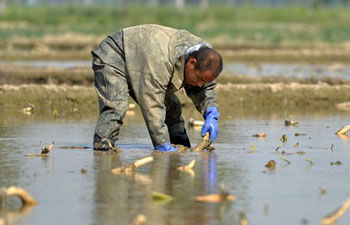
<point x="288" y="195"/>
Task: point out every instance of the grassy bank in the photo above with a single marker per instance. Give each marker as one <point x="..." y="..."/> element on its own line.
<point x="220" y="24"/>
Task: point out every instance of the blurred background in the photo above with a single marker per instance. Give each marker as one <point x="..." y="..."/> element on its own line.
<point x="46" y="28"/>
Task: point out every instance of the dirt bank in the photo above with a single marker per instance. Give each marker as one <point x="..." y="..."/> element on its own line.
<point x="76" y="99"/>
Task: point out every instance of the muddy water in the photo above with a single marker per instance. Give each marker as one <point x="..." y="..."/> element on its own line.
<point x="288" y="195"/>
<point x="277" y="69"/>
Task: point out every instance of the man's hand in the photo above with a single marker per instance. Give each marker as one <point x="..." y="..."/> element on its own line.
<point x="166" y="148"/>
<point x="211" y="123"/>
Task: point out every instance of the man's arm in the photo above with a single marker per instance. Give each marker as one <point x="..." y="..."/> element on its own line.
<point x="202" y="97"/>
<point x="151" y="95"/>
<point x="205" y="102"/>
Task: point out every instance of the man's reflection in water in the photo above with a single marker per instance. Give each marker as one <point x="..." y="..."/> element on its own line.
<point x="120" y="198"/>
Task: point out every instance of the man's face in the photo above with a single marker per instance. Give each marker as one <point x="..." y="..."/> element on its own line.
<point x="196" y="77"/>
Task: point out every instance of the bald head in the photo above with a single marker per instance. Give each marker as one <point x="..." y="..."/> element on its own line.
<point x="208" y="59"/>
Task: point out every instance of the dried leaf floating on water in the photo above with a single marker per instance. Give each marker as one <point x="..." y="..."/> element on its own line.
<point x="290" y="123"/>
<point x="296" y="145"/>
<point x="309" y="161"/>
<point x="139" y="220"/>
<point x="252" y="148"/>
<point x="161" y="197"/>
<point x="284" y="138"/>
<point x="133" y="166"/>
<point x="202" y="145"/>
<point x="260" y="135"/>
<point x="284" y="159"/>
<point x="343" y="130"/>
<point x="334" y="216"/>
<point x="271" y="164"/>
<point x="338" y="163"/>
<point x="11" y="191"/>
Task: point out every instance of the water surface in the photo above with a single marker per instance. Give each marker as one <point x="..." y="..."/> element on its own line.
<point x="288" y="195"/>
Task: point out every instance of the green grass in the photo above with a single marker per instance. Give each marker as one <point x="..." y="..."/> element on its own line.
<point x="250" y="24"/>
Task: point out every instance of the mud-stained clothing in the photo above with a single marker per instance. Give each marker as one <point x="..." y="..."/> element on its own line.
<point x="146" y="62"/>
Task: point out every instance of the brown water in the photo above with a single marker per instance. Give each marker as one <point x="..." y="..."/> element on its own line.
<point x="288" y="195"/>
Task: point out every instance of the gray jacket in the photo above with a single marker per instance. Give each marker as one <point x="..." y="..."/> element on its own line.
<point x="155" y="61"/>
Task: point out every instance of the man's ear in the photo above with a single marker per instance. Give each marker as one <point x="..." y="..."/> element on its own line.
<point x="192" y="61"/>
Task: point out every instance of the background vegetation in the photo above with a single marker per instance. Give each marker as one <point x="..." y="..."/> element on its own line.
<point x="237" y="25"/>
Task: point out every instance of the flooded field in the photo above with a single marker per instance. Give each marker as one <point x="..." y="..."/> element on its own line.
<point x="297" y="193"/>
<point x="299" y="70"/>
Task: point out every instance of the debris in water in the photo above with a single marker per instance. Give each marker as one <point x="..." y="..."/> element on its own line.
<point x="195" y="123"/>
<point x="187" y="167"/>
<point x="25" y="197"/>
<point x="296" y="145"/>
<point x="338" y="163"/>
<point x="332" y="148"/>
<point x="215" y="198"/>
<point x="343" y="130"/>
<point x="334" y="216"/>
<point x="260" y="135"/>
<point x="278" y="147"/>
<point x="29" y="110"/>
<point x="271" y="164"/>
<point x="304" y="221"/>
<point x="322" y="191"/>
<point x="83" y="170"/>
<point x="266" y="210"/>
<point x="74" y="147"/>
<point x="301" y="152"/>
<point x="202" y="145"/>
<point x="299" y="134"/>
<point x="44" y="151"/>
<point x="284" y="159"/>
<point x="290" y="122"/>
<point x="243" y="219"/>
<point x="133" y="166"/>
<point x="309" y="161"/>
<point x="223" y="196"/>
<point x="139" y="220"/>
<point x="284" y="138"/>
<point x="252" y="148"/>
<point x="161" y="197"/>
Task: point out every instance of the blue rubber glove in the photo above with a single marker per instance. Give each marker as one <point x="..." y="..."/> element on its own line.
<point x="166" y="148"/>
<point x="211" y="123"/>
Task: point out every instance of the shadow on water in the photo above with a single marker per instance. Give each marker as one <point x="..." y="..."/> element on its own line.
<point x="287" y="195"/>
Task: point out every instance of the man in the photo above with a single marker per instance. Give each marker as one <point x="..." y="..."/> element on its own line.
<point x="150" y="63"/>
